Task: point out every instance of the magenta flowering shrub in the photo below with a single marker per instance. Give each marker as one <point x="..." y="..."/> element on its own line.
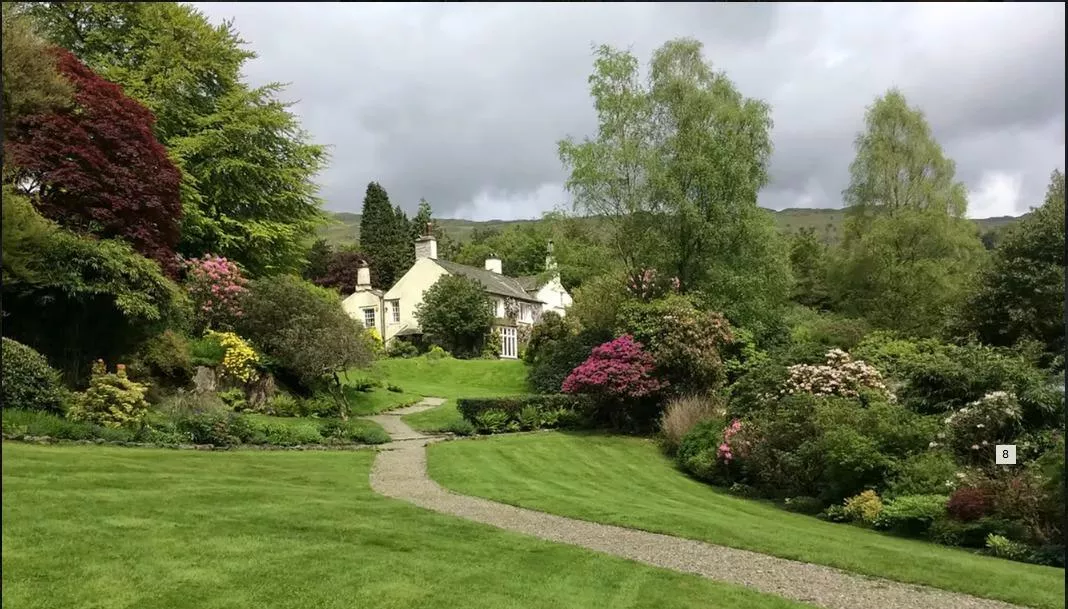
<point x="617" y="370"/>
<point x="840" y="376"/>
<point x="216" y="286"/>
<point x="646" y="284"/>
<point x="725" y="452"/>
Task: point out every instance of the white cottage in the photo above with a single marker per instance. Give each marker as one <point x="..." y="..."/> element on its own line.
<point x="518" y="302"/>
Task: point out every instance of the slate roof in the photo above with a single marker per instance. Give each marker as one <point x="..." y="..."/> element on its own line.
<point x="499" y="285"/>
<point x="530" y="283"/>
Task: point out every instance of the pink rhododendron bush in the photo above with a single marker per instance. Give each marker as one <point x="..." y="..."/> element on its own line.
<point x="216" y="286"/>
<point x="619" y="376"/>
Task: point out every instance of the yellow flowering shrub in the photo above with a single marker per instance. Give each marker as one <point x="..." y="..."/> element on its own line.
<point x="241" y="360"/>
<point x="864" y="507"/>
<point x="376" y="340"/>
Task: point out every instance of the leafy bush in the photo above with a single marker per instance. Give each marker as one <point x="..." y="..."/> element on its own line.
<point x="698" y="450"/>
<point x="401" y="349"/>
<point x="393" y="388"/>
<point x="233" y="398"/>
<point x="912" y="514"/>
<point x="803" y="505"/>
<point x="112" y="400"/>
<point x="304" y="331"/>
<point x="168" y="357"/>
<point x="969" y="503"/>
<point x="217" y="427"/>
<point x="526" y="412"/>
<point x="284" y="405"/>
<point x="206" y="351"/>
<point x="352" y="431"/>
<point x="41" y="423"/>
<point x="291" y="435"/>
<point x="553" y="358"/>
<point x="27" y="381"/>
<point x="685" y="343"/>
<point x="463" y="427"/>
<point x="681" y="414"/>
<point x="436" y="352"/>
<point x="1006" y="548"/>
<point x="925" y="473"/>
<point x="973" y="430"/>
<point x="865" y="507"/>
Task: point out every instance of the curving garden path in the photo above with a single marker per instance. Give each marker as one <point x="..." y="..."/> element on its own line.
<point x="400" y="472"/>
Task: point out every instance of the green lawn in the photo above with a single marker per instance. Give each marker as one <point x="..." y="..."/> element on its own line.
<point x="628" y="482"/>
<point x="451" y="378"/>
<point x="454" y="378"/>
<point x="379" y="399"/>
<point x="434" y="420"/>
<point x="109" y="528"/>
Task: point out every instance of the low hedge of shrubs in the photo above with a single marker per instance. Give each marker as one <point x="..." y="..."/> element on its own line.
<point x="524" y="413"/>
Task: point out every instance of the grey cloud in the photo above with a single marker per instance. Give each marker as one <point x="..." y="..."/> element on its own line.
<point x="463" y="103"/>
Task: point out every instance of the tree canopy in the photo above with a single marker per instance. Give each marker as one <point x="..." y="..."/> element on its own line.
<point x="247" y="191"/>
<point x="456" y="314"/>
<point x="97" y="167"/>
<point x="675" y="167"/>
<point x="385" y="237"/>
<point x="31" y="83"/>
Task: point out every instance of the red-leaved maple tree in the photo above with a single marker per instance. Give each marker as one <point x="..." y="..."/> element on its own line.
<point x="97" y="166"/>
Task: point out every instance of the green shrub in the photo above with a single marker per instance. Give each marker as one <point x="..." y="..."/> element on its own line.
<point x="363" y="385"/>
<point x="28" y="382"/>
<point x="284" y="405"/>
<point x="554" y="358"/>
<point x="462" y="427"/>
<point x="1006" y="548"/>
<point x="168" y="357"/>
<point x="352" y="431"/>
<point x="804" y="505"/>
<point x="206" y="351"/>
<point x="393" y="388"/>
<point x="926" y="473"/>
<point x="40" y="423"/>
<point x="491" y="421"/>
<point x="697" y="452"/>
<point x="291" y="435"/>
<point x="217" y="427"/>
<point x="233" y="398"/>
<point x="864" y="507"/>
<point x="912" y="514"/>
<point x="401" y="349"/>
<point x="682" y="413"/>
<point x="526" y="411"/>
<point x="112" y="400"/>
<point x="685" y="343"/>
<point x="436" y="353"/>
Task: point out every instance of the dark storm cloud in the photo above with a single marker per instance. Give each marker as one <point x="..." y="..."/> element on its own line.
<point x="463" y="103"/>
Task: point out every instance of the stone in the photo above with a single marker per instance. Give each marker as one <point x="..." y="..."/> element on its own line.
<point x="205" y="380"/>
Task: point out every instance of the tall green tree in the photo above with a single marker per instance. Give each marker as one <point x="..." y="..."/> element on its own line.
<point x="1020" y="291"/>
<point x="908" y="253"/>
<point x="456" y="314"/>
<point x="385" y="237"/>
<point x="808" y="263"/>
<point x="31" y="83"/>
<point x="675" y="167"/>
<point x="248" y="190"/>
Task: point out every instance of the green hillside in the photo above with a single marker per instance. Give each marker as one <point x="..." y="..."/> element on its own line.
<point x="346" y="226"/>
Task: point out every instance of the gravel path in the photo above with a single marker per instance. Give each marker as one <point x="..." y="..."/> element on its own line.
<point x="400" y="472"/>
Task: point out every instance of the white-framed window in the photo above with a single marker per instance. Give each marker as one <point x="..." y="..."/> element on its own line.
<point x="394" y="306"/>
<point x="509" y="343"/>
<point x="369" y="317"/>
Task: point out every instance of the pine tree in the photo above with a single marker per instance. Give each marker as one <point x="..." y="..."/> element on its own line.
<point x="376" y="234"/>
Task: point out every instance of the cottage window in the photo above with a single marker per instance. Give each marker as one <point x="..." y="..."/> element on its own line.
<point x="369" y="317"/>
<point x="509" y="343"/>
<point x="395" y="306"/>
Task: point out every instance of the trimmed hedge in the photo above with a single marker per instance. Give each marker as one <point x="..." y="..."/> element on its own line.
<point x="524" y="412"/>
<point x="28" y="381"/>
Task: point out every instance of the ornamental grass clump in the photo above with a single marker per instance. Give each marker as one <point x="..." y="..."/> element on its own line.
<point x="840" y="376"/>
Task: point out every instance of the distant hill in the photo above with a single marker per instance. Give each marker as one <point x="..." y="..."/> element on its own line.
<point x="346" y="226"/>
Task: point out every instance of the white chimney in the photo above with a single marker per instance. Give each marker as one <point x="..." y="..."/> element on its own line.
<point x="426" y="247"/>
<point x="493" y="264"/>
<point x="363" y="277"/>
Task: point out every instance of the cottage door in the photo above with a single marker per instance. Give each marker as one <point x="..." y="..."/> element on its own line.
<point x="509" y="343"/>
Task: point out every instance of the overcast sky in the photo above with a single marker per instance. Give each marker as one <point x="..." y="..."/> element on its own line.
<point x="463" y="103"/>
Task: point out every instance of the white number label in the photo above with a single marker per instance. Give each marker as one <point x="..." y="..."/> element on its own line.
<point x="1006" y="454"/>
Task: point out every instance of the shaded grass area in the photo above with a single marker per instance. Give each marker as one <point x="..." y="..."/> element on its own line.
<point x="628" y="482"/>
<point x="379" y="399"/>
<point x="108" y="528"/>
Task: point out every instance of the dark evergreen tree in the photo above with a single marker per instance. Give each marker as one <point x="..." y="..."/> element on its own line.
<point x="318" y="258"/>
